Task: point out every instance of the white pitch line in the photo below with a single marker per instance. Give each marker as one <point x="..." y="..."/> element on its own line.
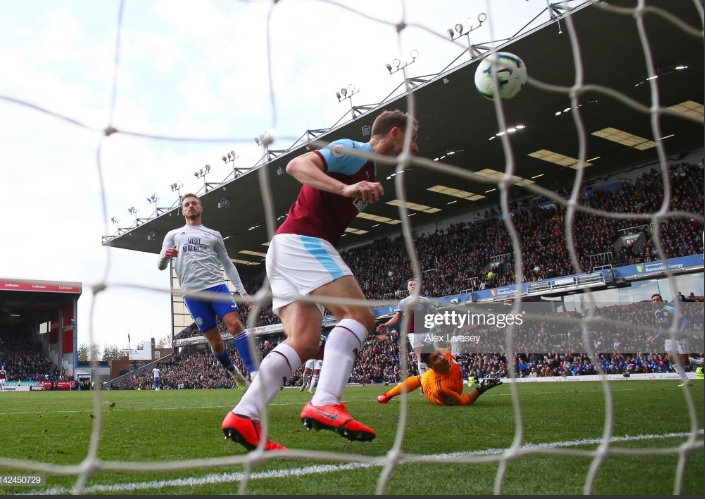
<point x="327" y="468"/>
<point x="138" y="409"/>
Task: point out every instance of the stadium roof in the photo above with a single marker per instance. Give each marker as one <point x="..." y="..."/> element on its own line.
<point x="458" y="124"/>
<point x="34" y="301"/>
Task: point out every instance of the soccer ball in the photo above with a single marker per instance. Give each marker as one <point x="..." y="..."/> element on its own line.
<point x="511" y="75"/>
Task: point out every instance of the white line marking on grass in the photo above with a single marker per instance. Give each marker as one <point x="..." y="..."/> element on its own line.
<point x="137" y="409"/>
<point x="328" y="468"/>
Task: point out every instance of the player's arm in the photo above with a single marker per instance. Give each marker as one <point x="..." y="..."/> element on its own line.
<point x="683" y="322"/>
<point x="658" y="335"/>
<point x="682" y="326"/>
<point x="310" y="169"/>
<point x="661" y="329"/>
<point x="452" y="398"/>
<point x="231" y="270"/>
<point x="389" y="323"/>
<point x="168" y="251"/>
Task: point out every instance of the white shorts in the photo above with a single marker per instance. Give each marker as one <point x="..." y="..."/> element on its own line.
<point x="314" y="364"/>
<point x="416" y="340"/>
<point x="680" y="346"/>
<point x="298" y="265"/>
<point x="2" y="381"/>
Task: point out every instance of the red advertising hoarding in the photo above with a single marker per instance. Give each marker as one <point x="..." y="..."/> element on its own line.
<point x="58" y="385"/>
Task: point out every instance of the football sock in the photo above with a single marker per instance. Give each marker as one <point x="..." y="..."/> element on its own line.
<point x="224" y="359"/>
<point x="314" y="381"/>
<point x="343" y="343"/>
<point x="243" y="349"/>
<point x="274" y="371"/>
<point x="680" y="371"/>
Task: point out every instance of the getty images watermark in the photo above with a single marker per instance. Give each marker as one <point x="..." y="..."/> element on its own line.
<point x="433" y="329"/>
<point x="541" y="327"/>
<point x="452" y="318"/>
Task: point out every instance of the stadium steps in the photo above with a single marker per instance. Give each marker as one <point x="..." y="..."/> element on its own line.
<point x="146" y="367"/>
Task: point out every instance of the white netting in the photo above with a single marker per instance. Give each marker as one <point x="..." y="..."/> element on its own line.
<point x="653" y="113"/>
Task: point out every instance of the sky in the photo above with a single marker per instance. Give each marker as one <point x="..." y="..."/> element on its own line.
<point x="198" y="69"/>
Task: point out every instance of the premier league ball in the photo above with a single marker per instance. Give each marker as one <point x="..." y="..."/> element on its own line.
<point x="510" y="71"/>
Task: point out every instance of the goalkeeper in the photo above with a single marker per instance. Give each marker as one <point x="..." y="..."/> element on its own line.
<point x="443" y="383"/>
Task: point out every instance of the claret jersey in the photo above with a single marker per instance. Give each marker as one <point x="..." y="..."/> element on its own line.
<point x="323" y="214"/>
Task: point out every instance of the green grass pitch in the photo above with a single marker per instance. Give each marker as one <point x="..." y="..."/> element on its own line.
<point x="143" y="427"/>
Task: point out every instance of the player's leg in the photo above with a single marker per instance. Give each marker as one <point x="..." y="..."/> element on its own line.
<point x="417" y="344"/>
<point x="204" y="316"/>
<point x="305" y="377"/>
<point x="314" y="380"/>
<point x="696" y="361"/>
<point x="228" y="312"/>
<point x="242" y="343"/>
<point x="217" y="345"/>
<point x="302" y="325"/>
<point x="676" y="352"/>
<point x="418" y="349"/>
<point x="409" y="385"/>
<point x="683" y="361"/>
<point x="344" y="341"/>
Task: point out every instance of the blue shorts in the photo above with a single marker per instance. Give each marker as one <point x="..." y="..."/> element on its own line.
<point x="204" y="312"/>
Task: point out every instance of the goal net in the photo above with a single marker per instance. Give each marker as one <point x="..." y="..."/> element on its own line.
<point x="557" y="236"/>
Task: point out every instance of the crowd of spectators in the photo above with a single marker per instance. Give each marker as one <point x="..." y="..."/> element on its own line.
<point x="458" y="258"/>
<point x="199" y="370"/>
<point x="477" y="254"/>
<point x="23" y="357"/>
<point x="618" y="335"/>
<point x="378" y="362"/>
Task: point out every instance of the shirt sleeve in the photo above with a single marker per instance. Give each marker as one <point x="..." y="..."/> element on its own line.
<point x="228" y="266"/>
<point x="338" y="160"/>
<point x="461" y="399"/>
<point x="683" y="322"/>
<point x="168" y="243"/>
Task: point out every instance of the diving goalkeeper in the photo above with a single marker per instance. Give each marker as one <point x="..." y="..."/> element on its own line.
<point x="443" y="383"/>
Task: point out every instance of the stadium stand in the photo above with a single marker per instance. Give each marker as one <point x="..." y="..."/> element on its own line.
<point x="23" y="358"/>
<point x="458" y="258"/>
